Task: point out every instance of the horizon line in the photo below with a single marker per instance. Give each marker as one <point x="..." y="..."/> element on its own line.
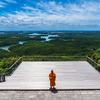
<point x="46" y="30"/>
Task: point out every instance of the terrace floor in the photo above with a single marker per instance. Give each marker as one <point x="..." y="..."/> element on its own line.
<point x="50" y="95"/>
<point x="71" y="75"/>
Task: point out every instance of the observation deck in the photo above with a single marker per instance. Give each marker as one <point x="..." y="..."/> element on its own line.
<point x="71" y="75"/>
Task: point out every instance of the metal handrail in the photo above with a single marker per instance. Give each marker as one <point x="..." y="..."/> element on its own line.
<point x="15" y="63"/>
<point x="46" y="58"/>
<point x="92" y="60"/>
<point x="85" y="58"/>
<point x="12" y="68"/>
<point x="93" y="63"/>
<point x="54" y="56"/>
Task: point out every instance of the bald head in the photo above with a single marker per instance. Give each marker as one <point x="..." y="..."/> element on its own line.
<point x="51" y="71"/>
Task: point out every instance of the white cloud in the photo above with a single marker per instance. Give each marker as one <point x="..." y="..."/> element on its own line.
<point x="91" y="6"/>
<point x="30" y="8"/>
<point x="52" y="13"/>
<point x="11" y="1"/>
<point x="2" y="4"/>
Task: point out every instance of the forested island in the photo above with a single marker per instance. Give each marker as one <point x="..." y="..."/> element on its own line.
<point x="85" y="43"/>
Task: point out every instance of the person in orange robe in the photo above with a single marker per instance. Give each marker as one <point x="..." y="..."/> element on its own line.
<point x="52" y="77"/>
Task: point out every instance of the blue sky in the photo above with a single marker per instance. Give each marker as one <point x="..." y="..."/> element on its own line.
<point x="49" y="15"/>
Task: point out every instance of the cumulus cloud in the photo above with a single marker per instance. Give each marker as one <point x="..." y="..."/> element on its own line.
<point x="57" y="14"/>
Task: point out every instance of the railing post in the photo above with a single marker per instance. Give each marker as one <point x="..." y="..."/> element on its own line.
<point x="87" y="58"/>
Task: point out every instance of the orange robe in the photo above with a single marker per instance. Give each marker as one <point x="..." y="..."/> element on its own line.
<point x="52" y="77"/>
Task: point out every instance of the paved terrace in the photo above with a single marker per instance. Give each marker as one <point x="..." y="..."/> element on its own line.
<point x="70" y="75"/>
<point x="48" y="95"/>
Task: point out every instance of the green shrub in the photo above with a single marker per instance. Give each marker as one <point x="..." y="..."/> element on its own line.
<point x="7" y="62"/>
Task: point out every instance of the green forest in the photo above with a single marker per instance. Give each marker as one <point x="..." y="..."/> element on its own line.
<point x="76" y="44"/>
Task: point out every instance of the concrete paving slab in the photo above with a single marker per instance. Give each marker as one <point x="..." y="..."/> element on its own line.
<point x="49" y="95"/>
<point x="70" y="75"/>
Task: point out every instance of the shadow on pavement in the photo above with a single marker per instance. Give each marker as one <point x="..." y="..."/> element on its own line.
<point x="54" y="90"/>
